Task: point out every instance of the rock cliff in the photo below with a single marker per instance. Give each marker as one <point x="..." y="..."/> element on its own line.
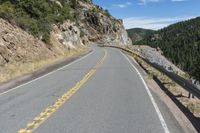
<point x="99" y="25"/>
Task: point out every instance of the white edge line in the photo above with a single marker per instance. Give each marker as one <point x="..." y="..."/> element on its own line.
<point x="163" y="123"/>
<point x="47" y="74"/>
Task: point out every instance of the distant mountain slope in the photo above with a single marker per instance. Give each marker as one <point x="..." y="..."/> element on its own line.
<point x="180" y="43"/>
<point x="137" y="34"/>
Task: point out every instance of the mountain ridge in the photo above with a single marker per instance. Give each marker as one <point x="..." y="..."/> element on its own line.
<point x="137" y="34"/>
<point x="180" y="43"/>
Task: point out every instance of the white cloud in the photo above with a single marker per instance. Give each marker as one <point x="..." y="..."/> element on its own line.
<point x="144" y="2"/>
<point x="151" y="23"/>
<point x="124" y="5"/>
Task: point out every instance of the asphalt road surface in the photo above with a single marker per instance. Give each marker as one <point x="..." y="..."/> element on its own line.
<point x="100" y="93"/>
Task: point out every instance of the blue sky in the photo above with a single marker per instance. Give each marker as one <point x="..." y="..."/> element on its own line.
<point x="151" y="14"/>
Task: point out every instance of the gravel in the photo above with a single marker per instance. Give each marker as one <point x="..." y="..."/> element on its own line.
<point x="156" y="56"/>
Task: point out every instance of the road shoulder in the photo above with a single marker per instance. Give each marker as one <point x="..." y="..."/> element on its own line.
<point x="29" y="77"/>
<point x="167" y="107"/>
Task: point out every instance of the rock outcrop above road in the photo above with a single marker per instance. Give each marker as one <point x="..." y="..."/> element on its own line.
<point x="68" y="35"/>
<point x="98" y="25"/>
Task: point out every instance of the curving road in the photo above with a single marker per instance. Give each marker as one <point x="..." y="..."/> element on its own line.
<point x="100" y="93"/>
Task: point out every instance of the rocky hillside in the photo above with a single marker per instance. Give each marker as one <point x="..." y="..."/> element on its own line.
<point x="98" y="25"/>
<point x="35" y="31"/>
<point x="21" y="52"/>
<point x="16" y="45"/>
<point x="90" y="24"/>
<point x="38" y="18"/>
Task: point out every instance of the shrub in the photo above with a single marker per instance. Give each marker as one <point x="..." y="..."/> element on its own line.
<point x="46" y="38"/>
<point x="7" y="10"/>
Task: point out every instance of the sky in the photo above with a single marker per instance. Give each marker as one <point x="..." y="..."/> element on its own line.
<point x="151" y="14"/>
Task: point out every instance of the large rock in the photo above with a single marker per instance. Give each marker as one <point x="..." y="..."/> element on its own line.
<point x="68" y="35"/>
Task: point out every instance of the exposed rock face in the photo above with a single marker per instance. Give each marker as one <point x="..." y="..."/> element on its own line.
<point x="68" y="35"/>
<point x="17" y="45"/>
<point x="100" y="25"/>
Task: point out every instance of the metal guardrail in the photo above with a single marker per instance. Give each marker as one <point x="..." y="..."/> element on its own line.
<point x="187" y="85"/>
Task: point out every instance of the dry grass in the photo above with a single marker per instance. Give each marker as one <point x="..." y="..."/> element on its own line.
<point x="11" y="71"/>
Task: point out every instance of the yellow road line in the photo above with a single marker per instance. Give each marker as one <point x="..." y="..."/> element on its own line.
<point x="49" y="111"/>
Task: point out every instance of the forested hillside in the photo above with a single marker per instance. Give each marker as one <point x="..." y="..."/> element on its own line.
<point x="137" y="34"/>
<point x="180" y="43"/>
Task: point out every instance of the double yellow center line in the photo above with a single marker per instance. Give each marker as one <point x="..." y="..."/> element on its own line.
<point x="49" y="111"/>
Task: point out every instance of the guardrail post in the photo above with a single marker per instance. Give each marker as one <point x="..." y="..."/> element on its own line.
<point x="189" y="95"/>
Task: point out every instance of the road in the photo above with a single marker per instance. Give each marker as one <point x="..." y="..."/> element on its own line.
<point x="100" y="93"/>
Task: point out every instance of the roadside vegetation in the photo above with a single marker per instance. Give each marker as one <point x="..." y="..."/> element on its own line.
<point x="180" y="43"/>
<point x="37" y="16"/>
